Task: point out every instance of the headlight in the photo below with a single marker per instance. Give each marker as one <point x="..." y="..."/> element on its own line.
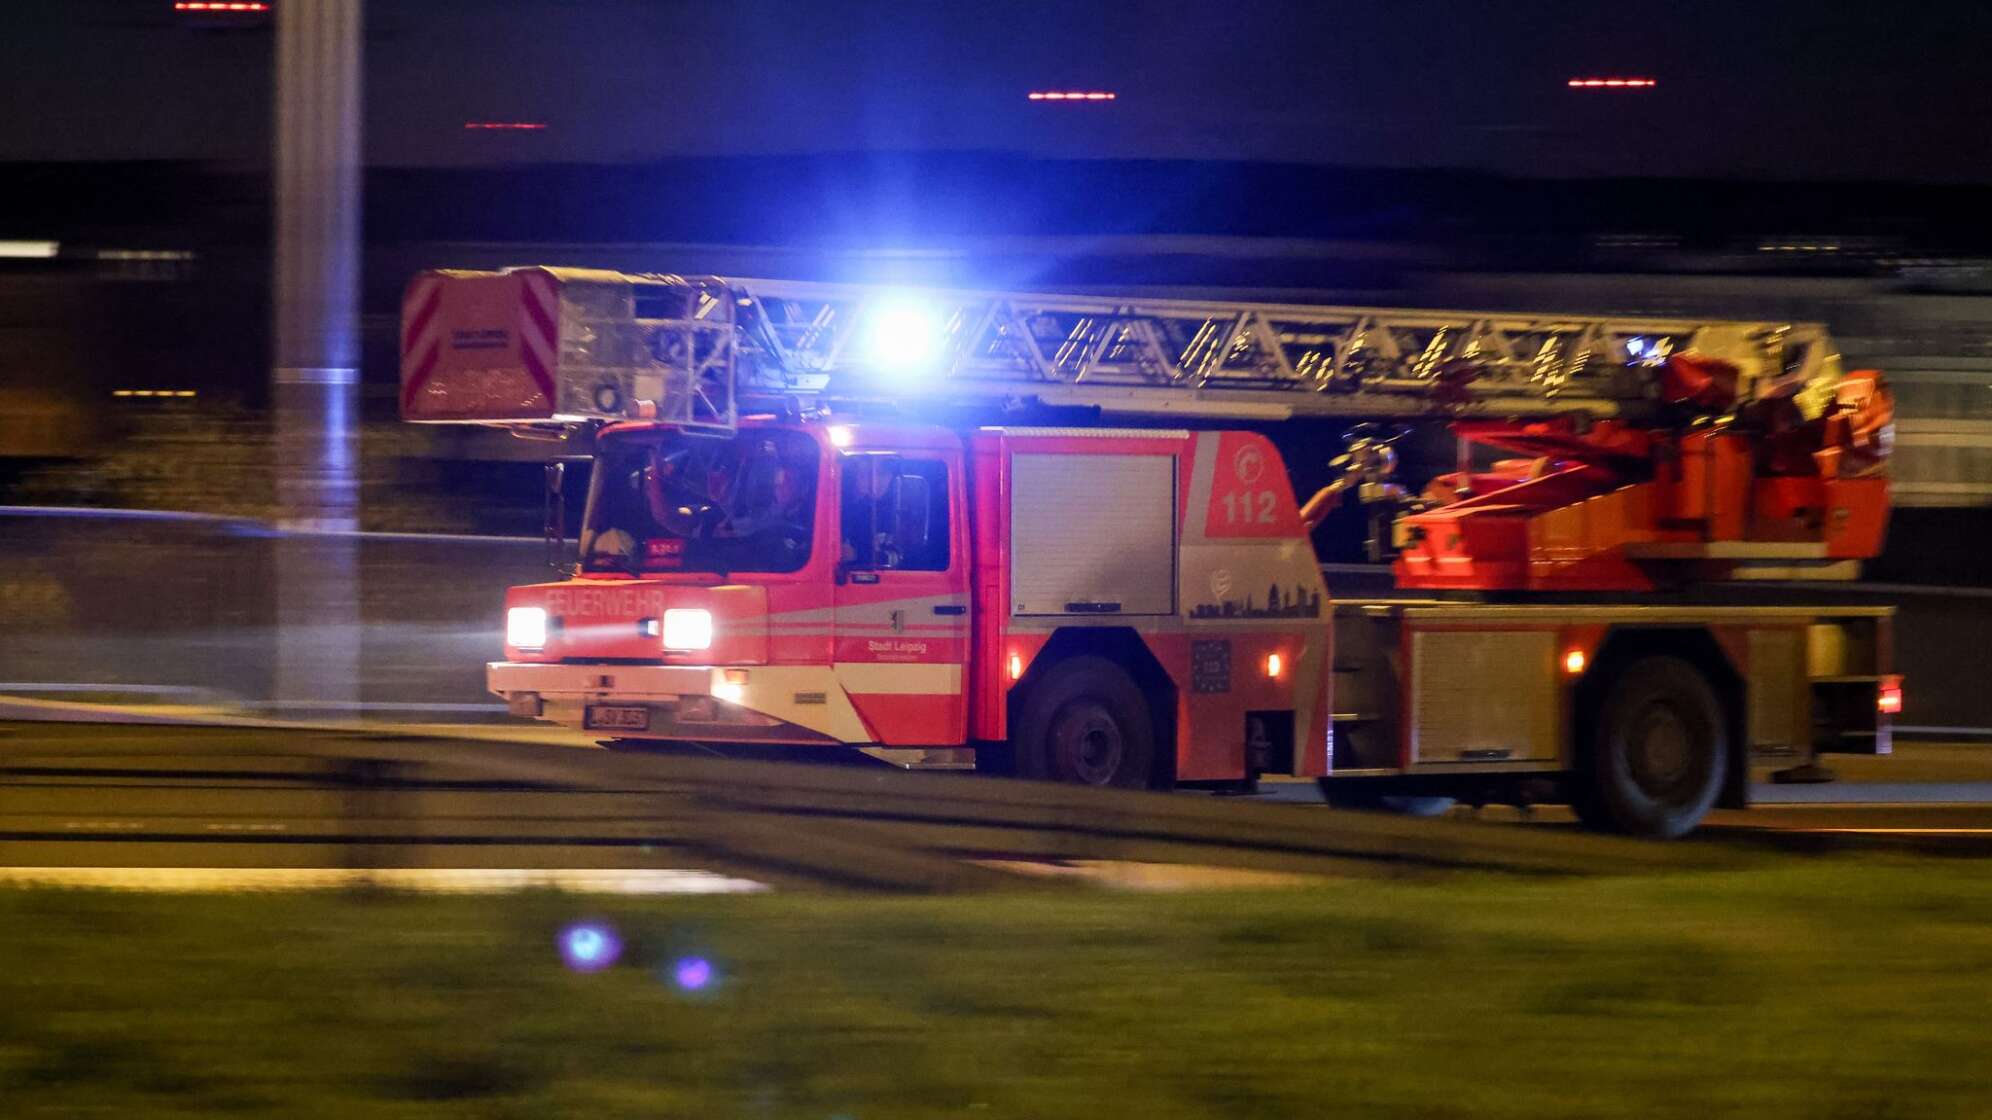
<point x="525" y="627"/>
<point x="687" y="628"/>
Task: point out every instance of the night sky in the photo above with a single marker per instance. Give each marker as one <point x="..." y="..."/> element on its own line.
<point x="1780" y="89"/>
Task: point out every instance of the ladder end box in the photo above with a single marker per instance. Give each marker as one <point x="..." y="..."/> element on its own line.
<point x="543" y="345"/>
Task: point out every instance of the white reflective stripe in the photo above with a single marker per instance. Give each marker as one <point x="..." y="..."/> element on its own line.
<point x="538" y="289"/>
<point x="873" y="678"/>
<point x="877" y="632"/>
<point x="1095" y="433"/>
<point x="824" y="616"/>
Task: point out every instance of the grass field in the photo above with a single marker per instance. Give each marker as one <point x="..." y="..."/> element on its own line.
<point x="1831" y="989"/>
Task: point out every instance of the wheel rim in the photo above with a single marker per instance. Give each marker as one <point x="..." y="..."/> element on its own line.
<point x="1088" y="741"/>
<point x="1666" y="754"/>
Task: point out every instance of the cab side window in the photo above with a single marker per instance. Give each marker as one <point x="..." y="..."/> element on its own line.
<point x="895" y="513"/>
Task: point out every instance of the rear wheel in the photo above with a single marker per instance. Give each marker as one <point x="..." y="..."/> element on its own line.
<point x="1656" y="759"/>
<point x="1086" y="722"/>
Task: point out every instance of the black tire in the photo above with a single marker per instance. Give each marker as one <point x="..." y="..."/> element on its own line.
<point x="1367" y="795"/>
<point x="1655" y="762"/>
<point x="1086" y="722"/>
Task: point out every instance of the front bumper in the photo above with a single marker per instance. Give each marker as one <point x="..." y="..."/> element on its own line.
<point x="761" y="703"/>
<point x="599" y="682"/>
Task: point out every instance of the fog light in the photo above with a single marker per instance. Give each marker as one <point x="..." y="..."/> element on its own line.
<point x="687" y="628"/>
<point x="525" y="627"/>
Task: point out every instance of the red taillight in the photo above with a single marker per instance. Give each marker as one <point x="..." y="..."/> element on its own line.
<point x="1889" y="700"/>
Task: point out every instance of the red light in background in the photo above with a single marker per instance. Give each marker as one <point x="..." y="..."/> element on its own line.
<point x="220" y="6"/>
<point x="504" y="126"/>
<point x="1612" y="83"/>
<point x="1071" y="95"/>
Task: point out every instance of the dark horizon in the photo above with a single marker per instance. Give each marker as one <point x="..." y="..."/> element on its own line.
<point x="1781" y="89"/>
<point x="922" y="198"/>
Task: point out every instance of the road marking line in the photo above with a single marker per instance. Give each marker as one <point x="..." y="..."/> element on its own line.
<point x="427" y="880"/>
<point x="1901" y="831"/>
<point x="1153" y="877"/>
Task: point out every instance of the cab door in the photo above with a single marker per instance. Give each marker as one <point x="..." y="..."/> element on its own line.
<point x="902" y="599"/>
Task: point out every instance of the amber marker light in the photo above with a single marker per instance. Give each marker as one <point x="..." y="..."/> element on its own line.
<point x="1573" y="662"/>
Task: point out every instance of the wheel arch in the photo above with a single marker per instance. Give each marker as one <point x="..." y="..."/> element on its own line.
<point x="1123" y="646"/>
<point x="1696" y="646"/>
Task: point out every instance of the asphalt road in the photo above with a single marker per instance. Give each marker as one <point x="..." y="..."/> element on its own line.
<point x="1923" y="816"/>
<point x="84" y="794"/>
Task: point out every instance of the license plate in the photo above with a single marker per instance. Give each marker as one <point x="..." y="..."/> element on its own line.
<point x="616" y="717"/>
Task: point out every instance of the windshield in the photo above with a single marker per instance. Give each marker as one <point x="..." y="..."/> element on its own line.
<point x="679" y="503"/>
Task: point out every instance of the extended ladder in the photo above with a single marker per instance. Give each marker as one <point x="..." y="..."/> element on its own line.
<point x="696" y="350"/>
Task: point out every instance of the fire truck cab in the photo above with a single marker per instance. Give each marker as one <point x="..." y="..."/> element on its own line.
<point x="1143" y="606"/>
<point x="929" y="594"/>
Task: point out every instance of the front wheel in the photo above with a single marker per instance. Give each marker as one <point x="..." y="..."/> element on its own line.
<point x="1086" y="722"/>
<point x="1656" y="759"/>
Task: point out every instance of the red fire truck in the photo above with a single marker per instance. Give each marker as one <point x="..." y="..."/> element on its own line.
<point x="826" y="516"/>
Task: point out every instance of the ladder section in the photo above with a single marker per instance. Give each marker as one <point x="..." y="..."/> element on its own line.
<point x="565" y="345"/>
<point x="1233" y="358"/>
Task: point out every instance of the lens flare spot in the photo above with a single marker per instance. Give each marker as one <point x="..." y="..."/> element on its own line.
<point x="589" y="946"/>
<point x="692" y="974"/>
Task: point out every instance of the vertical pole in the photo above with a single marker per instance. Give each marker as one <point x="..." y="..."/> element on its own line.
<point x="315" y="374"/>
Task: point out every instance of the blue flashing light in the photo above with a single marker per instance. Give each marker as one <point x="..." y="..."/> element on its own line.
<point x="903" y="336"/>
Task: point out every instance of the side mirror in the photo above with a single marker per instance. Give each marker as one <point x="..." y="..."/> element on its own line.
<point x="554" y="528"/>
